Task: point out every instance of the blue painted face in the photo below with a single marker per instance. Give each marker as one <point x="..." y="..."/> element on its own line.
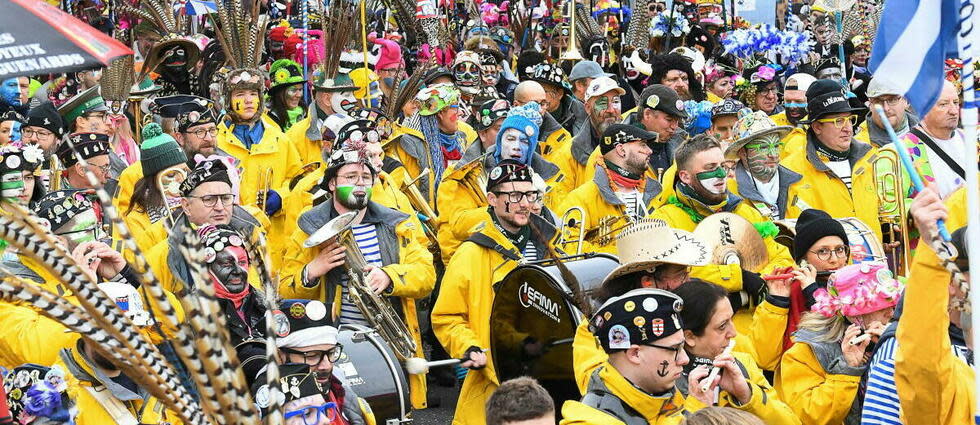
<point x="10" y="92"/>
<point x="15" y="132"/>
<point x="514" y="145"/>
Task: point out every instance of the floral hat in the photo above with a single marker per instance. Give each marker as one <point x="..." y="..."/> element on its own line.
<point x="38" y="394"/>
<point x="858" y="289"/>
<point x="437" y="97"/>
<point x="284" y="73"/>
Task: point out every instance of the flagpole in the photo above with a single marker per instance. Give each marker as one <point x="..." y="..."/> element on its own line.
<point x="967" y="38"/>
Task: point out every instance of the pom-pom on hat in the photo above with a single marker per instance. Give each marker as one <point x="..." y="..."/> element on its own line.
<point x="159" y="150"/>
<point x="526" y="119"/>
<point x="858" y="289"/>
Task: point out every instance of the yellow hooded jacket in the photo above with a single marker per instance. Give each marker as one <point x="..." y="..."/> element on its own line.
<point x="461" y="314"/>
<point x="608" y="384"/>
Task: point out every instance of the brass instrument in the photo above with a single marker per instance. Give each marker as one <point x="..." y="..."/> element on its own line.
<point x="888" y="174"/>
<point x="601" y="234"/>
<point x="421" y="206"/>
<point x="376" y="309"/>
<point x="466" y="174"/>
<point x="54" y="179"/>
<point x="571" y="52"/>
<point x="170" y="178"/>
<point x="263" y="195"/>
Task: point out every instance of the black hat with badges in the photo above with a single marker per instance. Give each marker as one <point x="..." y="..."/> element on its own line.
<point x="296" y="381"/>
<point x="491" y="111"/>
<point x="507" y="171"/>
<point x="60" y="206"/>
<point x="207" y="170"/>
<point x="46" y="117"/>
<point x="187" y="111"/>
<point x="662" y="98"/>
<point x="88" y="145"/>
<point x="302" y="323"/>
<point x="638" y="317"/>
<point x="618" y="134"/>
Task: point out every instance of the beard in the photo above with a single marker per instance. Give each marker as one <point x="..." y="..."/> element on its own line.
<point x="636" y="164"/>
<point x="707" y="195"/>
<point x="794" y="115"/>
<point x="355" y="198"/>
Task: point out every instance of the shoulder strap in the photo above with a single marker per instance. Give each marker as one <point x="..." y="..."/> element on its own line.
<point x="939" y="151"/>
<point x="488" y="242"/>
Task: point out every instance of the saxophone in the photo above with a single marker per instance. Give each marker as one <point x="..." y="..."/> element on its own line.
<point x="376" y="309"/>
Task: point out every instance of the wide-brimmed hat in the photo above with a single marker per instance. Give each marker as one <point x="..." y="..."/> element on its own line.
<point x="751" y="126"/>
<point x="826" y="97"/>
<point x="156" y="55"/>
<point x="648" y="243"/>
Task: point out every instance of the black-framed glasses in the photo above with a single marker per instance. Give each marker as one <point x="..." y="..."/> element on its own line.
<point x="212" y="200"/>
<point x="38" y="133"/>
<point x="103" y="168"/>
<point x="314" y="357"/>
<point x="676" y="348"/>
<point x="840" y="252"/>
<point x="515" y="196"/>
<point x="311" y="414"/>
<point x="201" y="132"/>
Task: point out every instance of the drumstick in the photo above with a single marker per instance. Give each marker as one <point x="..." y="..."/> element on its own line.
<point x="716" y="370"/>
<point x="418" y="365"/>
<point x="859" y="339"/>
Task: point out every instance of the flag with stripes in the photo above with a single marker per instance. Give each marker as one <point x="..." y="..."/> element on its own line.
<point x="914" y="39"/>
<point x="198" y="7"/>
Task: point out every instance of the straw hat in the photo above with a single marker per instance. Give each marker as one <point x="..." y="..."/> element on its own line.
<point x="751" y="126"/>
<point x="650" y="242"/>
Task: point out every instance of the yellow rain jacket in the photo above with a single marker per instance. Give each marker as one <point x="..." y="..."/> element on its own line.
<point x="407" y="262"/>
<point x="819" y="383"/>
<point x="665" y="410"/>
<point x="273" y="154"/>
<point x="789" y="189"/>
<point x="599" y="201"/>
<point x="730" y="276"/>
<point x="412" y="150"/>
<point x="573" y="158"/>
<point x="93" y="411"/>
<point x="307" y="141"/>
<point x="147" y="234"/>
<point x="127" y="183"/>
<point x="461" y="314"/>
<point x="28" y="337"/>
<point x="823" y="190"/>
<point x="555" y="137"/>
<point x="934" y="387"/>
<point x="794" y="141"/>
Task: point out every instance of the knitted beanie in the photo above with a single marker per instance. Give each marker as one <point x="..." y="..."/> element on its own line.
<point x="159" y="151"/>
<point x="811" y="227"/>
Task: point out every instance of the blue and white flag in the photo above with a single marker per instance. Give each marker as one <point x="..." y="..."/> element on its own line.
<point x="198" y="7"/>
<point x="913" y="41"/>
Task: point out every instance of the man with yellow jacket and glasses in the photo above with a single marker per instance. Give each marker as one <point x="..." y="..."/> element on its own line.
<point x="836" y="168"/>
<point x="399" y="267"/>
<point x="642" y="332"/>
<point x="509" y="235"/>
<point x="701" y="190"/>
<point x="620" y="192"/>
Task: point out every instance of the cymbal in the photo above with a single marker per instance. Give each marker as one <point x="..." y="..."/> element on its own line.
<point x="727" y="233"/>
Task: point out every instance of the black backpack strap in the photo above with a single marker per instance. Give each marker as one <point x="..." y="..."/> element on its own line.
<point x="488" y="242"/>
<point x="939" y="151"/>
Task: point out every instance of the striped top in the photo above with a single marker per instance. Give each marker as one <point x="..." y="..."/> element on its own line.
<point x="530" y="252"/>
<point x="633" y="203"/>
<point x="842" y="169"/>
<point x="366" y="236"/>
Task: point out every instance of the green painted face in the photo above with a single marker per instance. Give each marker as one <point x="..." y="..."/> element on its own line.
<point x="11" y="186"/>
<point x="353" y="196"/>
<point x="602" y="103"/>
<point x="762" y="156"/>
<point x="713" y="181"/>
<point x="83" y="227"/>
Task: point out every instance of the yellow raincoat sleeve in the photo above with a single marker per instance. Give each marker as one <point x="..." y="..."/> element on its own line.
<point x="414" y="275"/>
<point x="587" y="355"/>
<point x="450" y="315"/>
<point x="26" y="336"/>
<point x="816" y="397"/>
<point x="296" y="258"/>
<point x="934" y="386"/>
<point x="768" y="326"/>
<point x="764" y="402"/>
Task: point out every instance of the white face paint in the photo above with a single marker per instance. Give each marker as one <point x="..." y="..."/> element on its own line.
<point x="514" y="144"/>
<point x="343" y="102"/>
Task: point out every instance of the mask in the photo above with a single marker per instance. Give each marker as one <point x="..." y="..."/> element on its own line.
<point x="468" y="77"/>
<point x="343" y="102"/>
<point x="230" y="269"/>
<point x="599" y="52"/>
<point x="10" y="92"/>
<point x="11" y="185"/>
<point x="353" y="197"/>
<point x="758" y="152"/>
<point x="514" y="144"/>
<point x="709" y="180"/>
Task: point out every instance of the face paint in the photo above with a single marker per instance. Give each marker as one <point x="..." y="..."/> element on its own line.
<point x="514" y="144"/>
<point x="11" y="185"/>
<point x="468" y="77"/>
<point x="762" y="156"/>
<point x="490" y="75"/>
<point x="832" y="73"/>
<point x="713" y="181"/>
<point x="601" y="104"/>
<point x="83" y="227"/>
<point x="10" y="91"/>
<point x="353" y="196"/>
<point x="343" y="102"/>
<point x="230" y="269"/>
<point x="795" y="111"/>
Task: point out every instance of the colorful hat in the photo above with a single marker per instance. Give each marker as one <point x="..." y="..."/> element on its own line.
<point x="285" y="73"/>
<point x="491" y="111"/>
<point x="751" y="126"/>
<point x="547" y="73"/>
<point x="726" y="107"/>
<point x="858" y="289"/>
<point x="215" y="239"/>
<point x="245" y="79"/>
<point x="88" y="145"/>
<point x="159" y="150"/>
<point x="638" y="317"/>
<point x="38" y="394"/>
<point x="366" y="81"/>
<point x="60" y="206"/>
<point x="301" y="323"/>
<point x="437" y="97"/>
<point x="212" y="169"/>
<point x="526" y="119"/>
<point x="391" y="54"/>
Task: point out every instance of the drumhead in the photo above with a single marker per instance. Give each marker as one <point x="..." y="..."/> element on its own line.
<point x="532" y="324"/>
<point x="864" y="243"/>
<point x="373" y="372"/>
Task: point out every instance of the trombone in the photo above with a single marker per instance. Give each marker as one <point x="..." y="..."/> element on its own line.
<point x="601" y="234"/>
<point x="891" y="207"/>
<point x="423" y="210"/>
<point x="571" y="52"/>
<point x="263" y="196"/>
<point x="168" y="183"/>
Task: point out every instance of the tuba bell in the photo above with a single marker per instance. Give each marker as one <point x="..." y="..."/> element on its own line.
<point x="376" y="309"/>
<point x="891" y="207"/>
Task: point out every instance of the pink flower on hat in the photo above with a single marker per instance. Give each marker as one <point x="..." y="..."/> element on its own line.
<point x="858" y="289"/>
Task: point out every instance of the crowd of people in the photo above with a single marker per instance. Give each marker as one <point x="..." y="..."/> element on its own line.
<point x="316" y="212"/>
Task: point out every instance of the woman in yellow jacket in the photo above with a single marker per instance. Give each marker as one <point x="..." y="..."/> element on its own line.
<point x="822" y="370"/>
<point x="708" y="330"/>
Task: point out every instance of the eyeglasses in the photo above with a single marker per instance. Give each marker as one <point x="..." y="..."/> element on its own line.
<point x="201" y="132"/>
<point x="357" y="178"/>
<point x="839" y="252"/>
<point x="39" y="133"/>
<point x="770" y="147"/>
<point x="314" y="357"/>
<point x="311" y="414"/>
<point x="515" y="197"/>
<point x="103" y="168"/>
<point x="771" y="89"/>
<point x="212" y="200"/>
<point x="839" y="121"/>
<point x="676" y="348"/>
<point x="891" y="101"/>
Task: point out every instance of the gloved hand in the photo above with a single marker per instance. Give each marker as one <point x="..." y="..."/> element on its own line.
<point x="754" y="285"/>
<point x="273" y="203"/>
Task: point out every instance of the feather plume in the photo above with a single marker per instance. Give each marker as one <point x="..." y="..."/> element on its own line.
<point x="338" y="28"/>
<point x="403" y="93"/>
<point x="239" y="32"/>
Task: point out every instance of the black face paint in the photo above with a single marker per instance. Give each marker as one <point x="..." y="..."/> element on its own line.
<point x="662" y="372"/>
<point x="225" y="268"/>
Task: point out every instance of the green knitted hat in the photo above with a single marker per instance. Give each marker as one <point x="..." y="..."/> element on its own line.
<point x="159" y="151"/>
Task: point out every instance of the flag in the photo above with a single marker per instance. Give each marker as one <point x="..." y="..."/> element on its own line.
<point x="198" y="7"/>
<point x="914" y="39"/>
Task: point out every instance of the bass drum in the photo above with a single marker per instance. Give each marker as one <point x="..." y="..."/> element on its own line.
<point x="533" y="322"/>
<point x="374" y="373"/>
<point x="863" y="243"/>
